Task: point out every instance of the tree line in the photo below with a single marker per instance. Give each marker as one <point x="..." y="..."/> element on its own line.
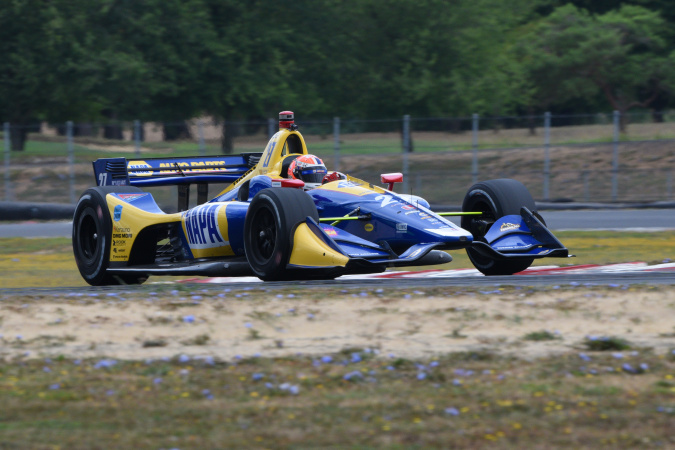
<point x="169" y="60"/>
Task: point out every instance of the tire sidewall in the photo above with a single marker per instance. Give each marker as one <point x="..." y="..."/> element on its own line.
<point x="501" y="197"/>
<point x="91" y="204"/>
<point x="289" y="208"/>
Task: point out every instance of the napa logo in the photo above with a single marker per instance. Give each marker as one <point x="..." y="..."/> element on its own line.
<point x="138" y="165"/>
<point x="201" y="227"/>
<point x="117" y="213"/>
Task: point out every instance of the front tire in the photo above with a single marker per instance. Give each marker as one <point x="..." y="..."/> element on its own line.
<point x="495" y="199"/>
<point x="271" y="220"/>
<point x="92" y="231"/>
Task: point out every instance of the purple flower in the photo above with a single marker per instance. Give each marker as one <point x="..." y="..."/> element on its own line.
<point x="248" y="325"/>
<point x="628" y="368"/>
<point x="356" y="357"/>
<point x="105" y="363"/>
<point x="326" y="359"/>
<point x="46" y="369"/>
<point x="457" y="382"/>
<point x="54" y="386"/>
<point x="452" y="411"/>
<point x="433" y="364"/>
<point x="617" y="355"/>
<point x="352" y="375"/>
<point x="157" y="380"/>
<point x="189" y="318"/>
<point x="258" y="376"/>
<point x="421" y="376"/>
<point x="584" y="357"/>
<point x="183" y="358"/>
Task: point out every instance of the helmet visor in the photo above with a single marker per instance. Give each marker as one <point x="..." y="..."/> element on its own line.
<point x="313" y="174"/>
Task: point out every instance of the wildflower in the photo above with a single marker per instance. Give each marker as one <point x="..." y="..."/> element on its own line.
<point x="452" y="411"/>
<point x="617" y="355"/>
<point x="326" y="359"/>
<point x="248" y="324"/>
<point x="421" y="376"/>
<point x="584" y="357"/>
<point x="258" y="376"/>
<point x="433" y="364"/>
<point x="356" y="357"/>
<point x="352" y="375"/>
<point x="456" y="382"/>
<point x="189" y="319"/>
<point x="46" y="369"/>
<point x="183" y="358"/>
<point x="54" y="386"/>
<point x="157" y="380"/>
<point x="105" y="363"/>
<point x="628" y="368"/>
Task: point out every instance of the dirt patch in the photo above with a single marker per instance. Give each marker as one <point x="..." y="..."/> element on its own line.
<point x="414" y="325"/>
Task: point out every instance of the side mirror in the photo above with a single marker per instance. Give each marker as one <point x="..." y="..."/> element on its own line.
<point x="392" y="178"/>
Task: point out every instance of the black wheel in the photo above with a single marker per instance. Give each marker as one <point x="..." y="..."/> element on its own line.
<point x="92" y="230"/>
<point x="271" y="220"/>
<point x="495" y="199"/>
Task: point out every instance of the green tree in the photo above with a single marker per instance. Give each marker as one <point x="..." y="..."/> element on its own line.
<point x="42" y="64"/>
<point x="573" y="54"/>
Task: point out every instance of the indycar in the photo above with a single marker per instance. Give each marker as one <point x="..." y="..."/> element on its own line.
<point x="267" y="225"/>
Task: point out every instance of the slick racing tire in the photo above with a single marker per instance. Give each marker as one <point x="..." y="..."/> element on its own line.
<point x="270" y="223"/>
<point x="92" y="231"/>
<point x="495" y="199"/>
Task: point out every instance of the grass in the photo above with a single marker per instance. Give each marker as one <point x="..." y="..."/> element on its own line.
<point x="38" y="262"/>
<point x="466" y="400"/>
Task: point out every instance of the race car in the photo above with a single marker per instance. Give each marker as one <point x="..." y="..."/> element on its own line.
<point x="267" y="223"/>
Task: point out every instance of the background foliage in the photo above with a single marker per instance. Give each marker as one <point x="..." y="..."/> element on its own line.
<point x="168" y="60"/>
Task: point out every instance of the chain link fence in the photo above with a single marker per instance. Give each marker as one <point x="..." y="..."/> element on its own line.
<point x="580" y="158"/>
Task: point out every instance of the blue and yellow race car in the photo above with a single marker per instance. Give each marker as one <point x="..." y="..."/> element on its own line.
<point x="284" y="217"/>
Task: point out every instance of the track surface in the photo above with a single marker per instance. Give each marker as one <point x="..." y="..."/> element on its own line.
<point x="635" y="219"/>
<point x="579" y="279"/>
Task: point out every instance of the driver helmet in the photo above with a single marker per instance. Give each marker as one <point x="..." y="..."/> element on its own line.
<point x="309" y="169"/>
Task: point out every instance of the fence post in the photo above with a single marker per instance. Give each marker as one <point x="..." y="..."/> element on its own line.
<point x="137" y="137"/>
<point x="71" y="159"/>
<point x="271" y="126"/>
<point x="474" y="148"/>
<point x="547" y="157"/>
<point x="200" y="133"/>
<point x="336" y="142"/>
<point x="8" y="181"/>
<point x="406" y="150"/>
<point x="615" y="158"/>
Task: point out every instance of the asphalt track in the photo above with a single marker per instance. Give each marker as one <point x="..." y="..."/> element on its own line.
<point x="633" y="219"/>
<point x="643" y="220"/>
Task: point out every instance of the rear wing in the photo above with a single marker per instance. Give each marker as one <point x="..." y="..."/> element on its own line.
<point x="173" y="171"/>
<point x="181" y="172"/>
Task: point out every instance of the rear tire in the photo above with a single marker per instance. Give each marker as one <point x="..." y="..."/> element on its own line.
<point x="271" y="220"/>
<point x="92" y="232"/>
<point x="495" y="199"/>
